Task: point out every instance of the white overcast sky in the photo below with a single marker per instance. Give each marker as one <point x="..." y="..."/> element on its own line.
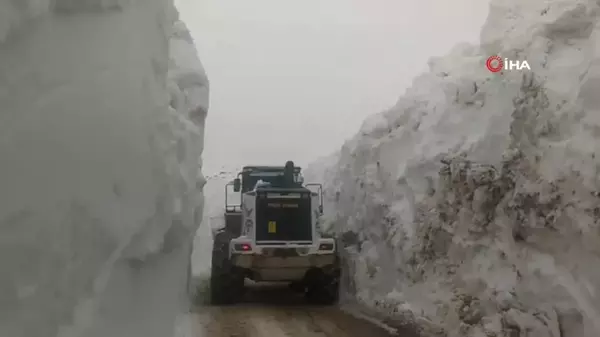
<point x="294" y="79"/>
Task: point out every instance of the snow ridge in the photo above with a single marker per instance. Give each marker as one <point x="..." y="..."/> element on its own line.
<point x="471" y="207"/>
<point x="101" y="132"/>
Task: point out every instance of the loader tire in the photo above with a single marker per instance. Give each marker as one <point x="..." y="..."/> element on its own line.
<point x="322" y="287"/>
<point x="226" y="280"/>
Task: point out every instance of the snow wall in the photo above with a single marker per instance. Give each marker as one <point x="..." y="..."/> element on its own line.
<point x="102" y="109"/>
<point x="471" y="207"/>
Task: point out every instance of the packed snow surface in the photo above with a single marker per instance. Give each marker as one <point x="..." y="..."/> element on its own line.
<point x="102" y="108"/>
<point x="472" y="206"/>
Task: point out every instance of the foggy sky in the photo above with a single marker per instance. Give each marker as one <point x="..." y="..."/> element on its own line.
<point x="294" y="79"/>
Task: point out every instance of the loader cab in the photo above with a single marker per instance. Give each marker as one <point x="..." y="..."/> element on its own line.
<point x="245" y="182"/>
<point x="286" y="179"/>
<point x="274" y="175"/>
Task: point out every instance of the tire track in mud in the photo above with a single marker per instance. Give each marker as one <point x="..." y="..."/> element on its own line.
<point x="276" y="311"/>
<point x="225" y="324"/>
<point x="274" y="321"/>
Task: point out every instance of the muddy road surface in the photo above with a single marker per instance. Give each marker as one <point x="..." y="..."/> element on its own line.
<point x="276" y="311"/>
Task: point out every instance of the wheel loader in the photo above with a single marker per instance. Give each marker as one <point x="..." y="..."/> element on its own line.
<point x="272" y="235"/>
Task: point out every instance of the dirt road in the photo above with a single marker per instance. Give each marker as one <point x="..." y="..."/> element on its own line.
<point x="278" y="312"/>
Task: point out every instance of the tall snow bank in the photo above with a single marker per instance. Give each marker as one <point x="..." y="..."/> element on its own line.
<point x="471" y="207"/>
<point x="102" y="107"/>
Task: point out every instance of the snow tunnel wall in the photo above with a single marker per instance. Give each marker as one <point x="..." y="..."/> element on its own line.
<point x="102" y="109"/>
<point x="471" y="206"/>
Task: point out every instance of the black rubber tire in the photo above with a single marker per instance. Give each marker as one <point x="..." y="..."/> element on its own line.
<point x="322" y="288"/>
<point x="226" y="288"/>
<point x="226" y="281"/>
<point x="297" y="287"/>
